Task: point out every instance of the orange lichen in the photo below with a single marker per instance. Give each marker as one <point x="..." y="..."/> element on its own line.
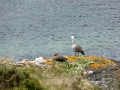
<point x="101" y="60"/>
<point x="93" y="57"/>
<point x="48" y="61"/>
<point x="106" y="61"/>
<point x="97" y="61"/>
<point x="73" y="58"/>
<point x="96" y="65"/>
<point x="109" y="61"/>
<point x="70" y="59"/>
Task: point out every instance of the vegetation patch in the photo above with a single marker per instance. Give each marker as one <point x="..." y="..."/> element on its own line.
<point x="12" y="77"/>
<point x="54" y="75"/>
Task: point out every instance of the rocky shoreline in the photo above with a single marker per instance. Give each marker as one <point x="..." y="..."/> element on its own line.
<point x="105" y="73"/>
<point x="108" y="78"/>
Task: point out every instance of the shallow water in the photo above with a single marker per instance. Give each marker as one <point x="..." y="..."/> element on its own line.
<point x="33" y="28"/>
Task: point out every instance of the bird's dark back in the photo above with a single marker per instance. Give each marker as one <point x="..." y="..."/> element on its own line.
<point x="59" y="58"/>
<point x="77" y="48"/>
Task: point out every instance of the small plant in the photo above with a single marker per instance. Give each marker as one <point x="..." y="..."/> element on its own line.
<point x="78" y="66"/>
<point x="32" y="84"/>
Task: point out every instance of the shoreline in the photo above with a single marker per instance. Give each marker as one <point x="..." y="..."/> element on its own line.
<point x="99" y="61"/>
<point x="94" y="70"/>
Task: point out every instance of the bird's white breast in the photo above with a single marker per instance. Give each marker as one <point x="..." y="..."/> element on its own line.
<point x="73" y="46"/>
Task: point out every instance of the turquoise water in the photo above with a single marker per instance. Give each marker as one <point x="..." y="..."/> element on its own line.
<point x="34" y="28"/>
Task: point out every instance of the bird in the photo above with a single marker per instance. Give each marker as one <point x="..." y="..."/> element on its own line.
<point x="60" y="58"/>
<point x="76" y="47"/>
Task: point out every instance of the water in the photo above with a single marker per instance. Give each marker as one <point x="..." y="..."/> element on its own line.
<point x="33" y="28"/>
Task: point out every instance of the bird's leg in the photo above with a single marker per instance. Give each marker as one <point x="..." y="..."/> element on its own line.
<point x="75" y="53"/>
<point x="78" y="53"/>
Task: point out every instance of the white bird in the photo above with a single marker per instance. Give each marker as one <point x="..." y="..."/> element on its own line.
<point x="76" y="47"/>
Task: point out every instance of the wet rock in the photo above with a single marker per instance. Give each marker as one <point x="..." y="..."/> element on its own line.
<point x="106" y="77"/>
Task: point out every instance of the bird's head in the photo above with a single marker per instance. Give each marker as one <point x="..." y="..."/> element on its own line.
<point x="72" y="37"/>
<point x="55" y="54"/>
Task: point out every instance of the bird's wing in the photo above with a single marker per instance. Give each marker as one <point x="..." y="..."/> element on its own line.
<point x="77" y="47"/>
<point x="59" y="58"/>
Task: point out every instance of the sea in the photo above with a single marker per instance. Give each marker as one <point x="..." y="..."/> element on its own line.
<point x="40" y="28"/>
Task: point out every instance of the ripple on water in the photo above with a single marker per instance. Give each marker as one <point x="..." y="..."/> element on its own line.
<point x="41" y="28"/>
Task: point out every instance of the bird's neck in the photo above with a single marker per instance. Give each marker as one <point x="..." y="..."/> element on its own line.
<point x="72" y="41"/>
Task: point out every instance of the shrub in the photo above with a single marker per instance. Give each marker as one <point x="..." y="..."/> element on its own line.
<point x="16" y="78"/>
<point x="32" y="84"/>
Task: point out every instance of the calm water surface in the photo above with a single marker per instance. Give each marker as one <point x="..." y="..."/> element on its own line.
<point x="34" y="28"/>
